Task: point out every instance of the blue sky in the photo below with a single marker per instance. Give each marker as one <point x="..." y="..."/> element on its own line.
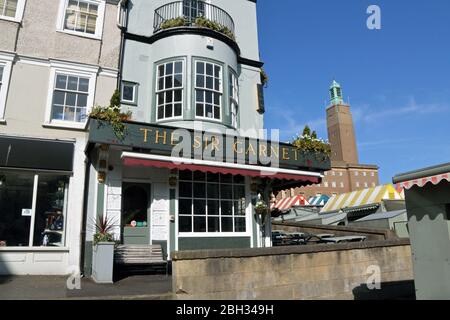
<point x="396" y="79"/>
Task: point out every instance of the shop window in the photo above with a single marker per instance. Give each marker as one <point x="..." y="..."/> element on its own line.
<point x="208" y="90"/>
<point x="169" y="90"/>
<point x="26" y="197"/>
<point x="211" y="203"/>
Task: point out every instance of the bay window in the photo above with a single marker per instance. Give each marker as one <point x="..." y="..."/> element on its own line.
<point x="208" y="90"/>
<point x="169" y="90"/>
<point x="211" y="203"/>
<point x="33" y="209"/>
<point x="234" y="98"/>
<point x="83" y="17"/>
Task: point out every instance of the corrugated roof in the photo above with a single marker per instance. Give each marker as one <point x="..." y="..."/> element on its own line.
<point x="362" y="198"/>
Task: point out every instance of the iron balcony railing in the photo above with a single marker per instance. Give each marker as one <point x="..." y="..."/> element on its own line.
<point x="193" y="13"/>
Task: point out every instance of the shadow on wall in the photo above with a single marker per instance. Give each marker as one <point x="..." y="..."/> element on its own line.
<point x="4" y="272"/>
<point x="398" y="290"/>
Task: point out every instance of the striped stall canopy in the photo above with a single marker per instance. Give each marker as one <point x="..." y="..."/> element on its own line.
<point x="362" y="197"/>
<point x="287" y="203"/>
<point x="423" y="181"/>
<point x="319" y="200"/>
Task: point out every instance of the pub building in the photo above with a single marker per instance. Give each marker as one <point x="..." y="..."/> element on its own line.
<point x="190" y="165"/>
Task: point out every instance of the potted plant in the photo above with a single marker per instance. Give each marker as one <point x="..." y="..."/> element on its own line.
<point x="261" y="209"/>
<point x="103" y="253"/>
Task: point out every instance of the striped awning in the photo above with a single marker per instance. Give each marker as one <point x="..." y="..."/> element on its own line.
<point x="362" y="198"/>
<point x="287" y="203"/>
<point x="319" y="200"/>
<point x="423" y="181"/>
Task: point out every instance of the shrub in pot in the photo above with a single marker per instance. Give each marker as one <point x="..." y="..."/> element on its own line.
<point x="103" y="253"/>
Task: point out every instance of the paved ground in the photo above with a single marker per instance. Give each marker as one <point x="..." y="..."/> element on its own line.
<point x="142" y="287"/>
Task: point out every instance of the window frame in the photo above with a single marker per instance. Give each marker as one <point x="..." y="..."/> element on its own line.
<point x="208" y="234"/>
<point x="135" y="85"/>
<point x="99" y="23"/>
<point x="35" y="190"/>
<point x="233" y="84"/>
<point x="220" y="92"/>
<point x="19" y="12"/>
<point x="6" y="61"/>
<point x="71" y="70"/>
<point x="183" y="88"/>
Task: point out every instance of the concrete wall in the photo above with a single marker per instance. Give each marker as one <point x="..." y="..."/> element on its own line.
<point x="429" y="227"/>
<point x="371" y="234"/>
<point x="297" y="272"/>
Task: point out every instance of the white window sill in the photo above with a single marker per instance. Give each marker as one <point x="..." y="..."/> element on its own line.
<point x="66" y="125"/>
<point x="215" y="235"/>
<point x="34" y="249"/>
<point x="81" y="34"/>
<point x="10" y="19"/>
<point x="170" y="119"/>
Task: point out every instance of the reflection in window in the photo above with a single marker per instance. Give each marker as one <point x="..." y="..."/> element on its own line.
<point x="16" y="201"/>
<point x="51" y="207"/>
<point x="8" y="8"/>
<point x="211" y="203"/>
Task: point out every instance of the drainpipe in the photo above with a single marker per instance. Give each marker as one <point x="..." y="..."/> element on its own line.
<point x="84" y="217"/>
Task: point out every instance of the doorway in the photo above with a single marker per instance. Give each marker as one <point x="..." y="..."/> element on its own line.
<point x="136" y="213"/>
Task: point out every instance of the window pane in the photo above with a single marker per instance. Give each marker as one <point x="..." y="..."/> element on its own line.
<point x="209" y="111"/>
<point x="185" y="206"/>
<point x="178" y="94"/>
<point x="57" y="112"/>
<point x="72" y="84"/>
<point x="61" y="81"/>
<point x="16" y="194"/>
<point x="213" y="207"/>
<point x="168" y="111"/>
<point x="161" y="70"/>
<point x="83" y="85"/>
<point x="58" y="97"/>
<point x="169" y="81"/>
<point x="239" y="208"/>
<point x="217" y="71"/>
<point x="239" y="192"/>
<point x="226" y="191"/>
<point x="160" y="99"/>
<point x="239" y="179"/>
<point x="200" y="207"/>
<point x="213" y="177"/>
<point x="160" y="112"/>
<point x="185" y="175"/>
<point x="227" y="208"/>
<point x="226" y="178"/>
<point x="178" y="67"/>
<point x="178" y="110"/>
<point x="199" y="224"/>
<point x="208" y="96"/>
<point x="199" y="190"/>
<point x="199" y="95"/>
<point x="213" y="224"/>
<point x="209" y="69"/>
<point x="80" y="115"/>
<point x="10" y="8"/>
<point x="216" y="113"/>
<point x="200" y="81"/>
<point x="199" y="176"/>
<point x="82" y="100"/>
<point x="213" y="191"/>
<point x="217" y="99"/>
<point x="71" y="99"/>
<point x="199" y="110"/>
<point x="217" y="84"/>
<point x="69" y="114"/>
<point x="209" y="83"/>
<point x="185" y="189"/>
<point x="239" y="225"/>
<point x="178" y="81"/>
<point x="227" y="224"/>
<point x="161" y="84"/>
<point x="185" y="224"/>
<point x="169" y="96"/>
<point x="169" y="68"/>
<point x="200" y="68"/>
<point x="128" y="93"/>
<point x="51" y="207"/>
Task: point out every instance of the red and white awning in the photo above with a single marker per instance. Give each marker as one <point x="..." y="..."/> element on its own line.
<point x="423" y="181"/>
<point x="151" y="160"/>
<point x="288" y="203"/>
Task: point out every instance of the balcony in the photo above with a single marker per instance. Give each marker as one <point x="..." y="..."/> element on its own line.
<point x="193" y="13"/>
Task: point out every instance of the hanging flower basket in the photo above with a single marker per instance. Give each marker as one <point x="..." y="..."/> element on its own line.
<point x="262" y="210"/>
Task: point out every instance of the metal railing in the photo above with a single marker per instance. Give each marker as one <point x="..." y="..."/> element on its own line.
<point x="188" y="12"/>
